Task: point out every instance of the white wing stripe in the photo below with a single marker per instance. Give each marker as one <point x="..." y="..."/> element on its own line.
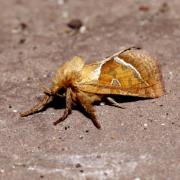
<point x="121" y="61"/>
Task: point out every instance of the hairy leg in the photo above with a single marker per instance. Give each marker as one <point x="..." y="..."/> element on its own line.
<point x="37" y="107"/>
<point x="114" y="103"/>
<point x="67" y="110"/>
<point x="86" y="103"/>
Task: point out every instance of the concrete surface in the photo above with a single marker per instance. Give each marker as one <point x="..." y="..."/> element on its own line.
<point x="137" y="143"/>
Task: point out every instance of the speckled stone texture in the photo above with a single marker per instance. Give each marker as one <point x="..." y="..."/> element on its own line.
<point x="139" y="142"/>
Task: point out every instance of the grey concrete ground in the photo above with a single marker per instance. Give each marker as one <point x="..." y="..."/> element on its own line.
<point x="139" y="142"/>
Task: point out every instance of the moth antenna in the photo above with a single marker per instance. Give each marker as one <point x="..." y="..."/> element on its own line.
<point x="130" y="48"/>
<point x="37" y="107"/>
<point x="114" y="103"/>
<point x="45" y="89"/>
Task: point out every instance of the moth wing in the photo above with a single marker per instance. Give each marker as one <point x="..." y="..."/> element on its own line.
<point x="132" y="72"/>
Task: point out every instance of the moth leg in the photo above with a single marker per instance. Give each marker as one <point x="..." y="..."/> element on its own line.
<point x="37" y="107"/>
<point x="67" y="111"/>
<point x="87" y="105"/>
<point x="114" y="103"/>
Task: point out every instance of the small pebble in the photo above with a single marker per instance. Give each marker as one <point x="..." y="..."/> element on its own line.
<point x="78" y="165"/>
<point x="66" y="127"/>
<point x="23" y="25"/>
<point x="2" y="171"/>
<point x="75" y="24"/>
<point x="22" y="41"/>
<point x="80" y="137"/>
<point x="137" y="178"/>
<point x="41" y="176"/>
<point x="144" y="8"/>
<point x="65" y="14"/>
<point x="145" y="124"/>
<point x="82" y="29"/>
<point x="164" y="8"/>
<point x="170" y="75"/>
<point x="102" y="103"/>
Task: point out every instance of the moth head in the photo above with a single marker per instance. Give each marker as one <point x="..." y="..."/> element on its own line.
<point x="66" y="75"/>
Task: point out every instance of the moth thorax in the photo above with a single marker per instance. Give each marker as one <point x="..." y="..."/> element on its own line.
<point x="70" y="79"/>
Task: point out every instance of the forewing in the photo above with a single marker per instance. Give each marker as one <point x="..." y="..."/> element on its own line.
<point x="132" y="72"/>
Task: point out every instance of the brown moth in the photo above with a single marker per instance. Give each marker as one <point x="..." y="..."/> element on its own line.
<point x="130" y="72"/>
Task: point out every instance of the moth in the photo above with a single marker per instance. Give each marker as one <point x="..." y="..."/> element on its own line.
<point x="131" y="72"/>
